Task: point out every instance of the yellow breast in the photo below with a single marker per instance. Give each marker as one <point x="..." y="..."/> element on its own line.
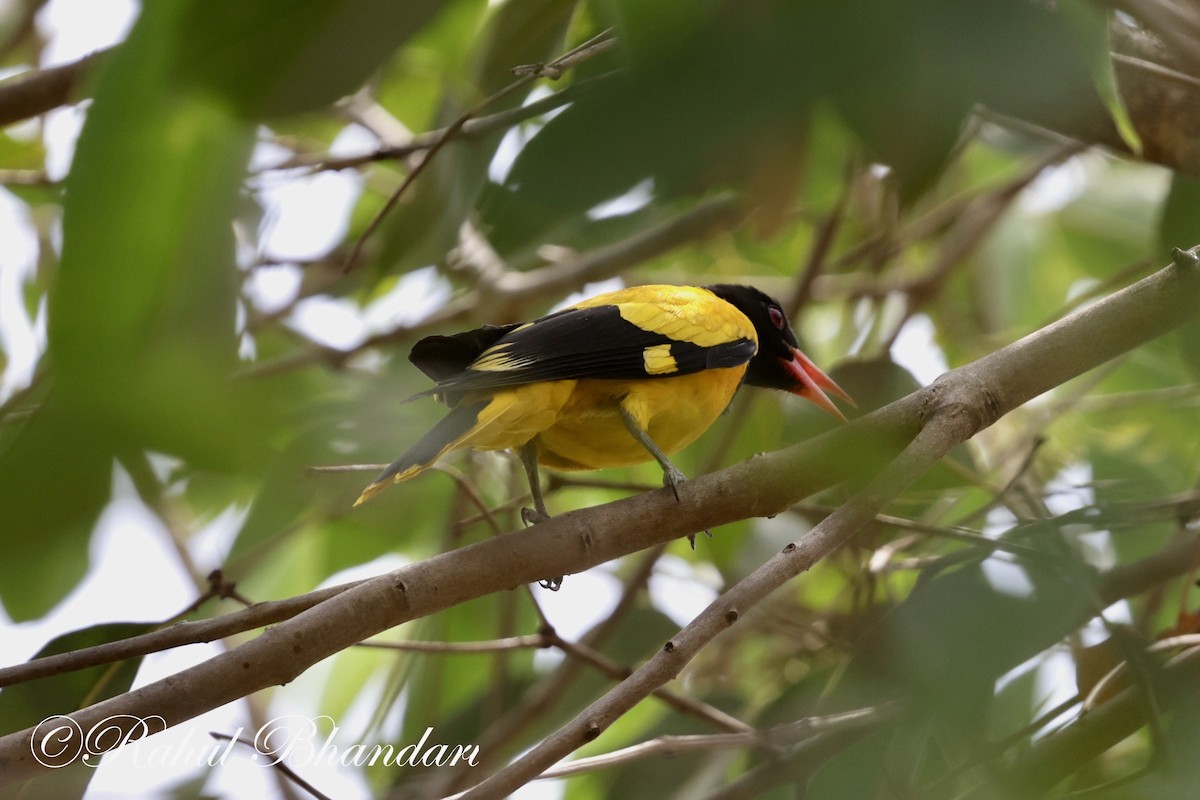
<point x="589" y="432"/>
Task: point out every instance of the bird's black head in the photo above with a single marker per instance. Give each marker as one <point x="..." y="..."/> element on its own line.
<point x="779" y="364"/>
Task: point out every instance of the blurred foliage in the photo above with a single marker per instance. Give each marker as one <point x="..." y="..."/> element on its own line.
<point x="907" y="227"/>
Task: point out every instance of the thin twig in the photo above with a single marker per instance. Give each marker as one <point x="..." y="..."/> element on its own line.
<point x="472" y="128"/>
<point x="277" y="763"/>
<point x="472" y="494"/>
<point x="997" y="750"/>
<point x="818" y="254"/>
<point x="978" y="219"/>
<point x="687" y="705"/>
<point x="348" y="468"/>
<point x="549" y="638"/>
<point x="181" y="633"/>
<point x="533" y="641"/>
<point x="1176" y="24"/>
<point x="597" y="44"/>
<point x="1158" y="70"/>
<point x="954" y="532"/>
<point x="776" y="738"/>
<point x="25" y="177"/>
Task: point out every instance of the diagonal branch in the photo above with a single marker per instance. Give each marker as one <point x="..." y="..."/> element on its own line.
<point x="959" y="404"/>
<point x="40" y="90"/>
<point x="474" y="128"/>
<point x="177" y="635"/>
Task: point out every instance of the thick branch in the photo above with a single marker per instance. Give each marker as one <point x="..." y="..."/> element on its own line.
<point x="962" y="402"/>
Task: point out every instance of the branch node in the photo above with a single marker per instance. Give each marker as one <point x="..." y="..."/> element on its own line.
<point x="669" y="647"/>
<point x="789" y="547"/>
<point x="538" y="70"/>
<point x="401" y="589"/>
<point x="969" y="402"/>
<point x="1185" y="259"/>
<point x="732" y="616"/>
<point x="587" y="539"/>
<point x="591" y="732"/>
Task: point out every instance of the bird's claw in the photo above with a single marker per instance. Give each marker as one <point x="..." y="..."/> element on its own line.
<point x="531" y="516"/>
<point x="673" y="478"/>
<point x="553" y="584"/>
<point x="691" y="537"/>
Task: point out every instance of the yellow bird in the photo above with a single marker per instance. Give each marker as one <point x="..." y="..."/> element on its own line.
<point x="613" y="381"/>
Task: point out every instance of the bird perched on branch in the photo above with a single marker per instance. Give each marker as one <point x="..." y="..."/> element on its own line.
<point x="613" y="381"/>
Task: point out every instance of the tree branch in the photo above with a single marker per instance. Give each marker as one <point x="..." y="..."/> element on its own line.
<point x="177" y="635"/>
<point x="778" y="737"/>
<point x="959" y="404"/>
<point x="40" y="90"/>
<point x="473" y="128"/>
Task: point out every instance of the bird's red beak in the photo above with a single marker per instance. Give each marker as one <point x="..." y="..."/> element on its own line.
<point x="812" y="383"/>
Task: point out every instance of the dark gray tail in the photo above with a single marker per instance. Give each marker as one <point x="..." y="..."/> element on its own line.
<point x="428" y="449"/>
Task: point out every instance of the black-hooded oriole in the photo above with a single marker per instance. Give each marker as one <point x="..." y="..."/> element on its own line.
<point x="613" y="381"/>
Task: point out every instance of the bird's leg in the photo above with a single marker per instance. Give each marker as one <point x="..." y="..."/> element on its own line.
<point x="671" y="475"/>
<point x="532" y="516"/>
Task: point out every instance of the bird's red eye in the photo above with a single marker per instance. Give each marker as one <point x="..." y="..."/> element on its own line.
<point x="777" y="318"/>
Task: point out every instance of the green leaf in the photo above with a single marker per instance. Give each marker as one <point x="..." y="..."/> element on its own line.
<point x="1179" y="219"/>
<point x="142" y="326"/>
<point x="1089" y="23"/>
<point x="678" y="115"/>
<point x="858" y="771"/>
<point x="25" y="705"/>
<point x="54" y="481"/>
<point x="1179" y="226"/>
<point x="276" y="57"/>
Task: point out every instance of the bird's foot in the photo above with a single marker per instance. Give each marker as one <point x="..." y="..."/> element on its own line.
<point x="532" y="516"/>
<point x="553" y="584"/>
<point x="673" y="478"/>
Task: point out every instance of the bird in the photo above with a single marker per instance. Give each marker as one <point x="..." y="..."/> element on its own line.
<point x="618" y="379"/>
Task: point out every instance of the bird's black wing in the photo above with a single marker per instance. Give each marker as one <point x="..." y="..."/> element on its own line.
<point x="442" y="357"/>
<point x="591" y="342"/>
